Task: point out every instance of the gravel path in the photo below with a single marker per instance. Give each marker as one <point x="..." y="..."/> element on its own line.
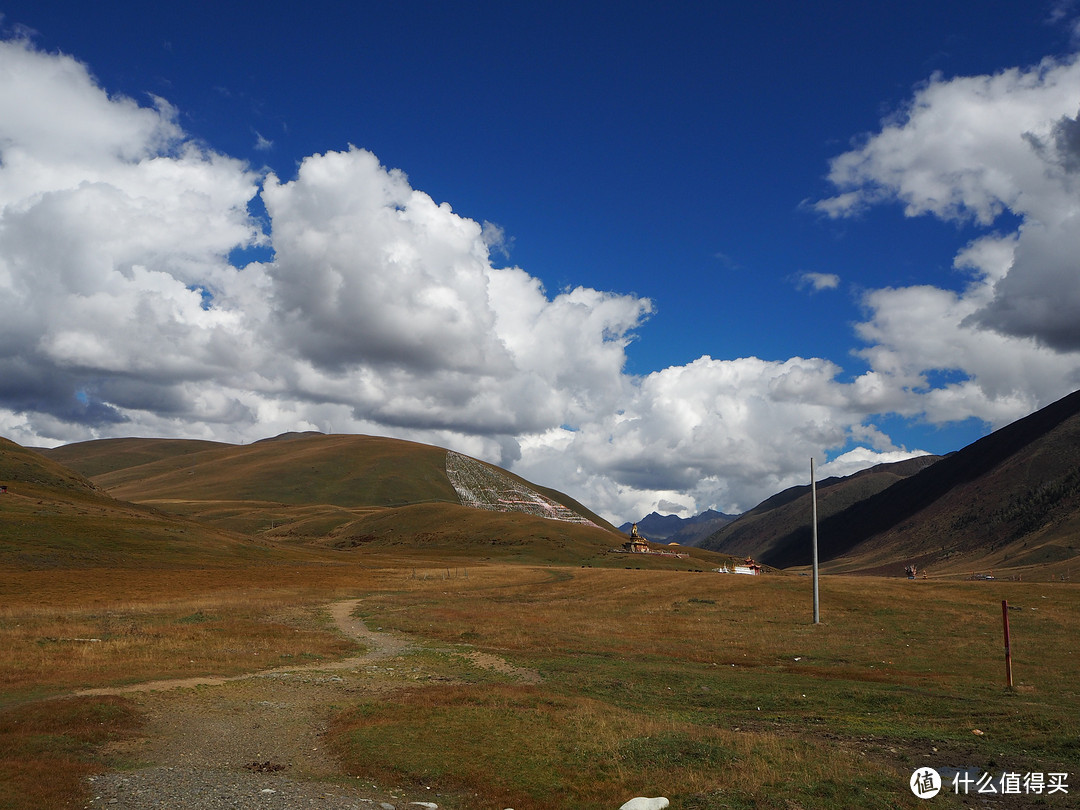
<point x="253" y="742"/>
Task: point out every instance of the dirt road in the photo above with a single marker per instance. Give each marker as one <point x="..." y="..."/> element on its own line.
<point x="256" y="741"/>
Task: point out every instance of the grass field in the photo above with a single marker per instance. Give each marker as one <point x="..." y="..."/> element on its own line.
<point x="720" y="692"/>
<point x="715" y="691"/>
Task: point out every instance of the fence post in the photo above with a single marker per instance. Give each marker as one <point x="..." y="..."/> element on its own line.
<point x="1008" y="651"/>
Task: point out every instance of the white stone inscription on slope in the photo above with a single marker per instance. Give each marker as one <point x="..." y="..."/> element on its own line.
<point x="483" y="487"/>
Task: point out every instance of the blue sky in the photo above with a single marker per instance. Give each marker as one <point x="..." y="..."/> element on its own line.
<point x="682" y="165"/>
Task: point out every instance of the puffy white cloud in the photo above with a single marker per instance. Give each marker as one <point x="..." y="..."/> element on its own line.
<point x="972" y="148"/>
<point x="389" y="302"/>
<point x="382" y="312"/>
<point x="962" y="147"/>
<point x="110" y="224"/>
<point x="48" y="100"/>
<point x="995" y="341"/>
<point x="724" y="433"/>
<point x="1006" y="340"/>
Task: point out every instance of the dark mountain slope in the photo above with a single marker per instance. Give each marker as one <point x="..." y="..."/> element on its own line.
<point x="655" y="526"/>
<point x="993" y="492"/>
<point x="759" y="532"/>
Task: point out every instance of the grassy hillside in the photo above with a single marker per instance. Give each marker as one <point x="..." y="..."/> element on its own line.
<point x="1010" y="500"/>
<point x="52" y="517"/>
<point x="102" y="456"/>
<point x="349" y="493"/>
<point x="758" y="532"/>
<point x="462" y="533"/>
<point x="296" y="469"/>
<point x="20" y="467"/>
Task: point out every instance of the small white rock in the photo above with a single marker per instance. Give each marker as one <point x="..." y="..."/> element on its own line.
<point x="641" y="803"/>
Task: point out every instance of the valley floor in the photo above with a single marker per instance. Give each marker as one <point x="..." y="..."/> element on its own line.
<point x="412" y="683"/>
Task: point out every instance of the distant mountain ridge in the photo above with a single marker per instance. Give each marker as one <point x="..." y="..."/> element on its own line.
<point x="674" y="529"/>
<point x="1012" y="497"/>
<point x="1010" y="500"/>
<point x="759" y="531"/>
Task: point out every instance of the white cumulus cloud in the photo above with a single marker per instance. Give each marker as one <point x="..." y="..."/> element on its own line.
<point x="970" y="149"/>
<point x="381" y="310"/>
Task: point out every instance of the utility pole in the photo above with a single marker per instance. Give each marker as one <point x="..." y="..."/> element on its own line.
<point x="813" y="501"/>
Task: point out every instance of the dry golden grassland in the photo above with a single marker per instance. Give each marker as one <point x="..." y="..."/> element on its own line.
<point x="720" y="692"/>
<point x="716" y="691"/>
<point x="62" y="630"/>
<point x="48" y="749"/>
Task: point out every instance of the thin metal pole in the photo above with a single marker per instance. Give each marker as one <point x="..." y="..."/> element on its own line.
<point x="813" y="499"/>
<point x="1008" y="651"/>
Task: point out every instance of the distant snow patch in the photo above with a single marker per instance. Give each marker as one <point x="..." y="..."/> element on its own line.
<point x="484" y="487"/>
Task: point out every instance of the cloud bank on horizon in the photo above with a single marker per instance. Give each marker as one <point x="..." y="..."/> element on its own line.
<point x="126" y="307"/>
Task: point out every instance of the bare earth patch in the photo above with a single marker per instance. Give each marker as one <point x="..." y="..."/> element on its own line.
<point x="503" y="667"/>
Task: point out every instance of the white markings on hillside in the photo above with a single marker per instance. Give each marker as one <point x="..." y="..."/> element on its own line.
<point x="484" y="487"/>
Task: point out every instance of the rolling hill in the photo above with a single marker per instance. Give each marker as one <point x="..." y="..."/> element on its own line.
<point x="52" y="517"/>
<point x="1008" y="502"/>
<point x="300" y="469"/>
<point x="350" y="493"/>
<point x="758" y="532"/>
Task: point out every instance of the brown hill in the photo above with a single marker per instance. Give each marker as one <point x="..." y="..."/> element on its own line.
<point x="298" y="469"/>
<point x="1009" y="501"/>
<point x="348" y="471"/>
<point x="354" y="492"/>
<point x="22" y="466"/>
<point x="759" y="532"/>
<point x="106" y="455"/>
<point x="52" y="517"/>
